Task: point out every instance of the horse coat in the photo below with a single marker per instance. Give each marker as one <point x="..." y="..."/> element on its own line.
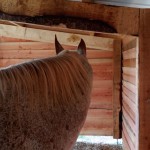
<point x="44" y="102"/>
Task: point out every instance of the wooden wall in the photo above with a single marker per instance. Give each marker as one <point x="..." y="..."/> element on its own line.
<point x="144" y="79"/>
<point x="100" y="54"/>
<point x="130" y="106"/>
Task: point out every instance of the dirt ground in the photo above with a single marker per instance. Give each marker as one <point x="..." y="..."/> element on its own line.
<point x="87" y="146"/>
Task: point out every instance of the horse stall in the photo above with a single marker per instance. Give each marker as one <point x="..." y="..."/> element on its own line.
<point x="117" y="49"/>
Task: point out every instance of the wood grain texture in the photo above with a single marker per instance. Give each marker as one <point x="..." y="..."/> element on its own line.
<point x="129" y="78"/>
<point x="125" y="142"/>
<point x="42" y="53"/>
<point x="130" y="93"/>
<point x="129" y="131"/>
<point x="144" y="82"/>
<point x="49" y="36"/>
<point x="130" y="87"/>
<point x="129" y="120"/>
<point x="130" y="71"/>
<point x="98" y="122"/>
<point x="129" y="63"/>
<point x="117" y="89"/>
<point x="129" y="54"/>
<point x="130" y="111"/>
<point x="101" y="102"/>
<point x="130" y="143"/>
<point x="129" y="102"/>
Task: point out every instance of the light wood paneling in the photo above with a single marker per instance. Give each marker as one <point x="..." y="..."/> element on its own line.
<point x="130" y="87"/>
<point x="98" y="122"/>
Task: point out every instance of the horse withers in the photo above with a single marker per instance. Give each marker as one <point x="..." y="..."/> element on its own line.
<point x="44" y="102"/>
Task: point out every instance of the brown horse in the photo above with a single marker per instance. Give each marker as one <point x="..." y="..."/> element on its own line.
<point x="44" y="102"/>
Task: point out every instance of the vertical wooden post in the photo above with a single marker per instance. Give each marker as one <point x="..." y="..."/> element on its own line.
<point x="117" y="89"/>
<point x="144" y="80"/>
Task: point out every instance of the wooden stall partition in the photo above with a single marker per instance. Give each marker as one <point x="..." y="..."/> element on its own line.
<point x="130" y="106"/>
<point x="19" y="44"/>
<point x="144" y="80"/>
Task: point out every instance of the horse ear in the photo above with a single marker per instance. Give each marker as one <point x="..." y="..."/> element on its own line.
<point x="82" y="48"/>
<point x="58" y="46"/>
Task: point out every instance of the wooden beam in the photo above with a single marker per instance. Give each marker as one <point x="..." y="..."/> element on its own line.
<point x="48" y="36"/>
<point x="117" y="89"/>
<point x="123" y="19"/>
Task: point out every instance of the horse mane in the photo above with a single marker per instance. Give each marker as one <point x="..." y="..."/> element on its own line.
<point x="51" y="82"/>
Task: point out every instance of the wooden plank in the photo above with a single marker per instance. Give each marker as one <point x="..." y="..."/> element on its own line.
<point x="100" y="61"/>
<point x="129" y="62"/>
<point x="101" y="102"/>
<point x="50" y="46"/>
<point x="102" y="74"/>
<point x="130" y="86"/>
<point x="101" y="92"/>
<point x="102" y="83"/>
<point x="97" y="54"/>
<point x="125" y="143"/>
<point x="98" y="122"/>
<point x="102" y="64"/>
<point x="129" y="42"/>
<point x="116" y="89"/>
<point x="25" y="54"/>
<point x="129" y="78"/>
<point x="129" y="54"/>
<point x="99" y="127"/>
<point x="131" y="145"/>
<point x="8" y="39"/>
<point x="100" y="113"/>
<point x="130" y="136"/>
<point x="129" y="131"/>
<point x="28" y="54"/>
<point x="8" y="62"/>
<point x="129" y="71"/>
<point x="130" y="91"/>
<point x="27" y="45"/>
<point x="130" y="103"/>
<point x="131" y="113"/>
<point x="129" y="94"/>
<point x="49" y="36"/>
<point x="129" y="120"/>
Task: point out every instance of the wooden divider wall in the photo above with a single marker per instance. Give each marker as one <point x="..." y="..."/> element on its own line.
<point x="130" y="132"/>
